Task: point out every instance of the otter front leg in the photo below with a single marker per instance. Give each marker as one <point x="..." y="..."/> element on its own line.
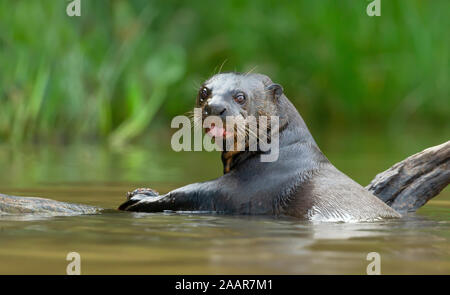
<point x="194" y="197"/>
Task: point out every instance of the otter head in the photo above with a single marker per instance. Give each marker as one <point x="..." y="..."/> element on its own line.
<point x="238" y="96"/>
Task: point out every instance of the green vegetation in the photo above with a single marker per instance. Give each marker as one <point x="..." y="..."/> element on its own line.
<point x="104" y="76"/>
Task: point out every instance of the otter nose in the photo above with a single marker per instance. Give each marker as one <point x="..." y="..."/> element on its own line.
<point x="215" y="109"/>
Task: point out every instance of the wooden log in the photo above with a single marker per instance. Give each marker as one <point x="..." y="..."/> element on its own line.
<point x="27" y="205"/>
<point x="411" y="183"/>
<point x="406" y="186"/>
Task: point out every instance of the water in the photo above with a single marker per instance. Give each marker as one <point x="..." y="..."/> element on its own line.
<point x="135" y="243"/>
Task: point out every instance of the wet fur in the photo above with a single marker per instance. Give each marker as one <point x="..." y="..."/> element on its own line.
<point x="301" y="183"/>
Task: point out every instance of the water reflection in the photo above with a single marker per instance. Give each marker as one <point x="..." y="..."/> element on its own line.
<point x="123" y="242"/>
<point x="116" y="242"/>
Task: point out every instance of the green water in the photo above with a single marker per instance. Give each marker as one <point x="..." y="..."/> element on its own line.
<point x="128" y="243"/>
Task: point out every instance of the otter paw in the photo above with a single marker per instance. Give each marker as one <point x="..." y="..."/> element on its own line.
<point x="145" y="192"/>
<point x="136" y="196"/>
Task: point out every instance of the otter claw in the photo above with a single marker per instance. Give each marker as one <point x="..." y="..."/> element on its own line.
<point x="146" y="192"/>
<point x="138" y="195"/>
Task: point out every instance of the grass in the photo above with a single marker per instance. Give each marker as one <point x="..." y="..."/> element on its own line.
<point x="106" y="76"/>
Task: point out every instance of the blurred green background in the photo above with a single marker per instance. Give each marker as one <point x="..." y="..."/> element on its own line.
<point x="368" y="87"/>
<point x="86" y="104"/>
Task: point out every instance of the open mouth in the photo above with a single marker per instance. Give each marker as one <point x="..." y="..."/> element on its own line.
<point x="216" y="131"/>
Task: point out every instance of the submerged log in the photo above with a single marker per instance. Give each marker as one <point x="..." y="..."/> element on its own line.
<point x="409" y="184"/>
<point x="406" y="186"/>
<point x="23" y="205"/>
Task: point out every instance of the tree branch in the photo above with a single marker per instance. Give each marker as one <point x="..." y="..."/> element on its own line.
<point x="411" y="183"/>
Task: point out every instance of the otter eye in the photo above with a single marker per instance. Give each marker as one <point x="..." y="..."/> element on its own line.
<point x="204" y="93"/>
<point x="240" y="98"/>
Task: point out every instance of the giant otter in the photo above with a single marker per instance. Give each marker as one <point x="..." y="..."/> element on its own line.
<point x="301" y="183"/>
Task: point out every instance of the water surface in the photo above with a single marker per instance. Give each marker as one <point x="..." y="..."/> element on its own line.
<point x="135" y="243"/>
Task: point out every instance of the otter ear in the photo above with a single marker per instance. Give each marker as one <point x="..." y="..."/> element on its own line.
<point x="276" y="89"/>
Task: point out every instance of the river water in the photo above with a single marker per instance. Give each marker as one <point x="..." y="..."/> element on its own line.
<point x="130" y="243"/>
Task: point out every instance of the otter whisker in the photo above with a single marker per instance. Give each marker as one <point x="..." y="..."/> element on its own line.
<point x="197" y="123"/>
<point x="221" y="66"/>
<point x="249" y="133"/>
<point x="196" y="84"/>
<point x="251" y="70"/>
